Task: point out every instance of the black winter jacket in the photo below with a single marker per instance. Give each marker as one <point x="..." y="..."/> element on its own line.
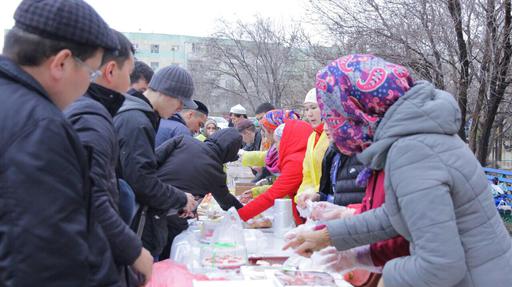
<point x="197" y="167"/>
<point x="135" y="128"/>
<point x="91" y="117"/>
<point x="346" y="191"/>
<point x="138" y="165"/>
<point x="48" y="233"/>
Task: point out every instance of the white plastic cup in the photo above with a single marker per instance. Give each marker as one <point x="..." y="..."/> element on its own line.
<point x="283" y="216"/>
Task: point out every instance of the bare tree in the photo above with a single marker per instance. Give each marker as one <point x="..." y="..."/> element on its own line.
<point x="261" y="60"/>
<point x="500" y="80"/>
<point x="462" y="46"/>
<point x="454" y="7"/>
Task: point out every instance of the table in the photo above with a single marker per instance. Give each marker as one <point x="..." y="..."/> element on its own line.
<point x="261" y="245"/>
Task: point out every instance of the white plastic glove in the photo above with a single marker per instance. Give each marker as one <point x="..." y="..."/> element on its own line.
<point x="327" y="211"/>
<point x="309" y="194"/>
<point x="292" y="234"/>
<point x="305" y="212"/>
<point x="344" y="261"/>
<point x="241" y="152"/>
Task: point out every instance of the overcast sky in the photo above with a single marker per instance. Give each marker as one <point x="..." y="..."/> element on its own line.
<point x="185" y="17"/>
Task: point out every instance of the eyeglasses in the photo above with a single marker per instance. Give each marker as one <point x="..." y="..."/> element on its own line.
<point x="237" y="115"/>
<point x="93" y="73"/>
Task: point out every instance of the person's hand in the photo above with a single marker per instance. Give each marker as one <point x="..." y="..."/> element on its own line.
<point x="246" y="197"/>
<point x="188" y="210"/>
<point x="292" y="234"/>
<point x="310" y="241"/>
<point x="144" y="265"/>
<point x="328" y="211"/>
<point x="305" y="196"/>
<point x="336" y="261"/>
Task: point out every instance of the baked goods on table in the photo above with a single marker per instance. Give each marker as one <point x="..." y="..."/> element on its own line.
<point x="209" y="208"/>
<point x="259" y="222"/>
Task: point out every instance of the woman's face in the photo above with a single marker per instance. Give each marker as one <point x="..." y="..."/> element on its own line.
<point x="210" y="129"/>
<point x="313" y="114"/>
<point x="268" y="134"/>
<point x="276" y="140"/>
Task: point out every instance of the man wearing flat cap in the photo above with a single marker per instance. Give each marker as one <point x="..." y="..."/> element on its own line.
<point x="170" y="90"/>
<point x="187" y="122"/>
<point x="48" y="232"/>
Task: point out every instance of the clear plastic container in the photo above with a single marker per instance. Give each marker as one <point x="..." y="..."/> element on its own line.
<point x="225" y="255"/>
<point x="228" y="249"/>
<point x="207" y="228"/>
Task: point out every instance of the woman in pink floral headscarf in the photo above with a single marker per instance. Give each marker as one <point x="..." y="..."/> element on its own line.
<point x="436" y="193"/>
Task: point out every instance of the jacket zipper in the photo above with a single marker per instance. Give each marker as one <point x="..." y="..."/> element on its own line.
<point x="375" y="175"/>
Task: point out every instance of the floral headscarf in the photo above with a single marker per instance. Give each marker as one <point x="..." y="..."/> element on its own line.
<point x="354" y="92"/>
<point x="274" y="118"/>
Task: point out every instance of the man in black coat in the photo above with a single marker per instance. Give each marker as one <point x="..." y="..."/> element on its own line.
<point x="136" y="122"/>
<point x="91" y="117"/>
<point x="204" y="174"/>
<point x="48" y="232"/>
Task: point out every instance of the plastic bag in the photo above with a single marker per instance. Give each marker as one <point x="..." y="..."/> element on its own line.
<point x="228" y="249"/>
<point x="328" y="211"/>
<point x="306" y="212"/>
<point x="169" y="273"/>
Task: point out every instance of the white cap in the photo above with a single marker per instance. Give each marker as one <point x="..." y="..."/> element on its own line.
<point x="311" y="96"/>
<point x="238" y="109"/>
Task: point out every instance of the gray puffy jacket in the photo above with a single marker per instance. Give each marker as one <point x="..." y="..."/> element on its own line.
<point x="437" y="197"/>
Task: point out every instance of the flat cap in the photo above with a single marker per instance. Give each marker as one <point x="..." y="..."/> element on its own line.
<point x="245" y="124"/>
<point x="66" y="20"/>
<point x="201" y="107"/>
<point x="175" y="82"/>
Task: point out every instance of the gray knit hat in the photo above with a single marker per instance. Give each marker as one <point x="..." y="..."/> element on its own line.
<point x="175" y="82"/>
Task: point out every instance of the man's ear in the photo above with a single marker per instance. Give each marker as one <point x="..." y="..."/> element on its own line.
<point x="109" y="70"/>
<point x="60" y="64"/>
<point x="190" y="114"/>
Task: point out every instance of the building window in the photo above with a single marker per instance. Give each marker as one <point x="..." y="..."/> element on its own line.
<point x="195" y="48"/>
<point x="154" y="65"/>
<point x="155" y="49"/>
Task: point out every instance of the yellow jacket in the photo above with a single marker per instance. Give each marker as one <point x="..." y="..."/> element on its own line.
<point x="312" y="165"/>
<point x="201" y="137"/>
<point x="254" y="158"/>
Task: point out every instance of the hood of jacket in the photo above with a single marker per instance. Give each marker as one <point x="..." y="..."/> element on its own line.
<point x="225" y="143"/>
<point x="294" y="141"/>
<point x="136" y="103"/>
<point x="422" y="110"/>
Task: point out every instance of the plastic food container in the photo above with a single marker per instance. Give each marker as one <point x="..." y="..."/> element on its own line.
<point x="223" y="255"/>
<point x="207" y="228"/>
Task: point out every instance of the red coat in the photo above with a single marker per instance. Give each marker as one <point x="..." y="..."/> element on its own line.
<point x="382" y="251"/>
<point x="292" y="150"/>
